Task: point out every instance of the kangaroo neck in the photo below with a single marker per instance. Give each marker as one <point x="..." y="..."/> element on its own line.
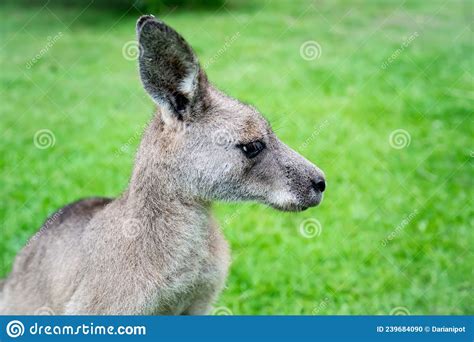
<point x="153" y="192"/>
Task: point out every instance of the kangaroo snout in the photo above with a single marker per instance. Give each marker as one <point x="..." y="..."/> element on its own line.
<point x="299" y="184"/>
<point x="312" y="194"/>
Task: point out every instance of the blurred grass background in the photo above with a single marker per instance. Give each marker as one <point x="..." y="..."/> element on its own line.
<point x="396" y="232"/>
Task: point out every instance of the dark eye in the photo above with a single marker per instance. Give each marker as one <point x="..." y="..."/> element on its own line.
<point x="251" y="150"/>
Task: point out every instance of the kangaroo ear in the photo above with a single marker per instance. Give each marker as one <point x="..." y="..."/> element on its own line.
<point x="169" y="69"/>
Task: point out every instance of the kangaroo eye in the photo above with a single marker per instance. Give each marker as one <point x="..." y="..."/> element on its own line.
<point x="251" y="150"/>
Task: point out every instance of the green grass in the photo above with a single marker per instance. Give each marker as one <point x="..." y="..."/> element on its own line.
<point x="337" y="110"/>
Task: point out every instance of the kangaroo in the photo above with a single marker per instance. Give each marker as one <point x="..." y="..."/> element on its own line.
<point x="156" y="250"/>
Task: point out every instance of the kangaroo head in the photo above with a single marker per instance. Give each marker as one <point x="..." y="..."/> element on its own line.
<point x="207" y="144"/>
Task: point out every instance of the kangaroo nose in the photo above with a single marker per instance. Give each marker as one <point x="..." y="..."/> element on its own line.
<point x="319" y="184"/>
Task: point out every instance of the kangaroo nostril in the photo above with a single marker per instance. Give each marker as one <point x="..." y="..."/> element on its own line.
<point x="319" y="184"/>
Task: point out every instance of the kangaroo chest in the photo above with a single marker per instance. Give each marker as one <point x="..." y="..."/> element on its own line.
<point x="194" y="269"/>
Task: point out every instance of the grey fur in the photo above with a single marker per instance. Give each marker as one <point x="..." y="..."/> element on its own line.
<point x="156" y="248"/>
